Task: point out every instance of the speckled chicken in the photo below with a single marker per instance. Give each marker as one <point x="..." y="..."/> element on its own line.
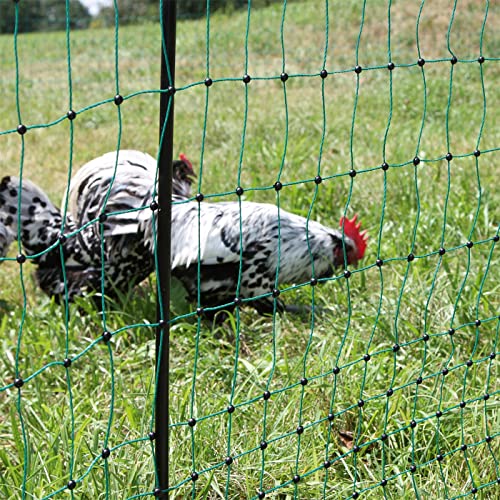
<point x="246" y="250"/>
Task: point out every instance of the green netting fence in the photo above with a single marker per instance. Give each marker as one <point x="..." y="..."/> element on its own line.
<point x="385" y="382"/>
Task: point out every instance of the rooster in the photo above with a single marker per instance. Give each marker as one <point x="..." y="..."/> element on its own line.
<point x="274" y="247"/>
<point x="105" y="199"/>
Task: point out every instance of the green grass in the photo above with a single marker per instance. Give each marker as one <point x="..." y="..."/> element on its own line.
<point x="427" y="296"/>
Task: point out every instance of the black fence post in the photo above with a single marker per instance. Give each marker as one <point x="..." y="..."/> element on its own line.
<point x="168" y="25"/>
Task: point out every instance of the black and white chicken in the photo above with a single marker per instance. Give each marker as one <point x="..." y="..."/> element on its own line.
<point x="249" y="250"/>
<point x="106" y="201"/>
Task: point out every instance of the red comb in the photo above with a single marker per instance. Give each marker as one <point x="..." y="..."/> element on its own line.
<point x="352" y="230"/>
<point x="183" y="158"/>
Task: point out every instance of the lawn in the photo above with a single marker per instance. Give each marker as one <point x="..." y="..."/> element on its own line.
<point x="420" y="414"/>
